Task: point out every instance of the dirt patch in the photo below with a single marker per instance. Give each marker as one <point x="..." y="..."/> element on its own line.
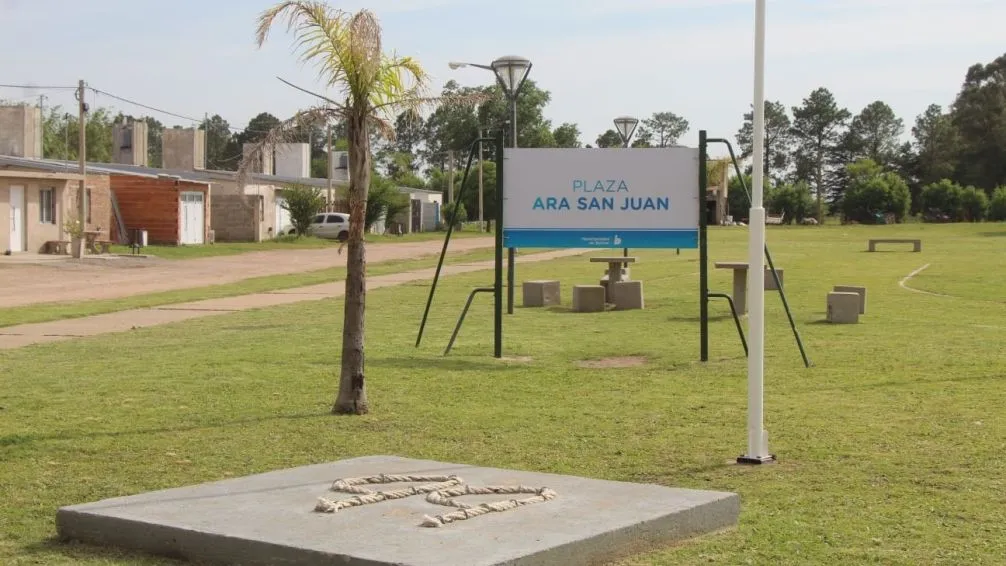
<point x="517" y="359"/>
<point x="620" y="362"/>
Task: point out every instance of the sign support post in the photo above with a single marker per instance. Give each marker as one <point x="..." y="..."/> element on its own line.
<point x="703" y="251"/>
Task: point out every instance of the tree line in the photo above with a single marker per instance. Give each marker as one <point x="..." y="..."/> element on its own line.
<point x="850" y="164"/>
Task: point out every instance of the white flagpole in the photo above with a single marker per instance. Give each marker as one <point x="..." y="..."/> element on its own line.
<point x="757" y="449"/>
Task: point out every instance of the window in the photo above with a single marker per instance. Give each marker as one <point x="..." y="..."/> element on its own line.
<point x="47" y="206"/>
<point x="320" y="219"/>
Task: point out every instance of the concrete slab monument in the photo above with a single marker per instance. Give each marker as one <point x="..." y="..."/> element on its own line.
<point x="448" y="515"/>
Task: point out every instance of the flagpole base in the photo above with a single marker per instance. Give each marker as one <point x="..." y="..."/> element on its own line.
<point x="756" y="460"/>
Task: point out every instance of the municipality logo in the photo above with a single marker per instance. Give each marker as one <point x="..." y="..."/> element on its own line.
<point x="617" y="240"/>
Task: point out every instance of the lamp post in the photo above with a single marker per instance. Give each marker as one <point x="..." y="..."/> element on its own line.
<point x="626" y="126"/>
<point x="511" y="72"/>
<point x="757" y="444"/>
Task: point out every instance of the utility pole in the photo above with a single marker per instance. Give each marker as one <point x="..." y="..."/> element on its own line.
<point x="450" y="180"/>
<point x="82" y="157"/>
<point x="331" y="164"/>
<point x="482" y="225"/>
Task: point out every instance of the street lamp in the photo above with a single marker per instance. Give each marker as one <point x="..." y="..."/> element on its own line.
<point x="626" y="126"/>
<point x="511" y="72"/>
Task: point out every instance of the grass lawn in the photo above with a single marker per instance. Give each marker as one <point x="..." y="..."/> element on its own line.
<point x="57" y="311"/>
<point x="281" y="243"/>
<point x="891" y="448"/>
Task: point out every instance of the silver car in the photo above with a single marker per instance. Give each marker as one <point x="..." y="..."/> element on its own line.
<point x="331" y="225"/>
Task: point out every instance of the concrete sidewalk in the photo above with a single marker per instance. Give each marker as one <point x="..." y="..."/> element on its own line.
<point x="122" y="321"/>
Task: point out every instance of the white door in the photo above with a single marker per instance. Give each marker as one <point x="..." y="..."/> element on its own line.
<point x="282" y="216"/>
<point x="193" y="217"/>
<point x="16" y="219"/>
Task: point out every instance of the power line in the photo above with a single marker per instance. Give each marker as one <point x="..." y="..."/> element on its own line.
<point x="37" y="87"/>
<point x="141" y="105"/>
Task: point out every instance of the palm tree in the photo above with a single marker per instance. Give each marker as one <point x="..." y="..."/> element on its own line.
<point x="373" y="87"/>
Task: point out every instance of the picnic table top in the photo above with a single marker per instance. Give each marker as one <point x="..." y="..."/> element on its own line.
<point x="613" y="259"/>
<point x="731" y="264"/>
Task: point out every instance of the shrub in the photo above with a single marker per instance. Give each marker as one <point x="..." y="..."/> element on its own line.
<point x="997" y="205"/>
<point x="737" y="200"/>
<point x="794" y="201"/>
<point x="872" y="191"/>
<point x="974" y="204"/>
<point x="383" y="200"/>
<point x="303" y="203"/>
<point x="448" y="210"/>
<point x="941" y="201"/>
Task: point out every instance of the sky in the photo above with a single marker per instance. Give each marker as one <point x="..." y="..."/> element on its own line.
<point x="598" y="59"/>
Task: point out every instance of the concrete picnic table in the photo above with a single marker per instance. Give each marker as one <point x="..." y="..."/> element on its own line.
<point x="740" y="295"/>
<point x="615" y="264"/>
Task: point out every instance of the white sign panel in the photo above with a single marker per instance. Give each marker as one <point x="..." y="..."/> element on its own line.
<point x="601" y="198"/>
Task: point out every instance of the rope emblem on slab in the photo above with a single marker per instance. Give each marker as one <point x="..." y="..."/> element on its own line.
<point x="445" y="497"/>
<point x="440" y="491"/>
<point x="367" y="496"/>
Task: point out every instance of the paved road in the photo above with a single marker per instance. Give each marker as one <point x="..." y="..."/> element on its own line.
<point x="27" y="334"/>
<point x="71" y="281"/>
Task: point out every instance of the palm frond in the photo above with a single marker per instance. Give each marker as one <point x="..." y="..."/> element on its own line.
<point x="321" y="36"/>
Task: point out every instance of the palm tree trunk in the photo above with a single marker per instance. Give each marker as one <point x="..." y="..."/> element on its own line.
<point x="352" y="397"/>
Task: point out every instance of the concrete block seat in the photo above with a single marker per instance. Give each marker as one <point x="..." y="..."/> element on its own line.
<point x="541" y="293"/>
<point x="588" y="298"/>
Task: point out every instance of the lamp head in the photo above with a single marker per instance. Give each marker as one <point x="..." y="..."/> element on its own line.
<point x="626" y="126"/>
<point x="456" y="65"/>
<point x="511" y="71"/>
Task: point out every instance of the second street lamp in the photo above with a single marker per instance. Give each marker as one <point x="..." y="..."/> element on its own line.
<point x="626" y="126"/>
<point x="511" y="72"/>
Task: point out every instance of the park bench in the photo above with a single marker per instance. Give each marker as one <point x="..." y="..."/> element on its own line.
<point x="770" y="219"/>
<point x="916" y="244"/>
<point x="57" y="247"/>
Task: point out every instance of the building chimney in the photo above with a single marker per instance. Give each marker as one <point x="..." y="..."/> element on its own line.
<point x="129" y="143"/>
<point x="21" y="131"/>
<point x="183" y="149"/>
<point x="263" y="163"/>
<point x="293" y="160"/>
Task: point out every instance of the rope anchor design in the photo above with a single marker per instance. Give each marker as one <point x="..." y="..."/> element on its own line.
<point x="439" y="490"/>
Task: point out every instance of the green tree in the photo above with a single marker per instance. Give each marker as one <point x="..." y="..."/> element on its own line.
<point x="666" y="128"/>
<point x="979" y="113"/>
<point x="778" y="138"/>
<point x="448" y="211"/>
<point x="873" y="191"/>
<point x="874" y="134"/>
<point x="942" y="201"/>
<point x="303" y="203"/>
<point x="609" y="138"/>
<point x="974" y="204"/>
<point x="567" y="135"/>
<point x="997" y="205"/>
<point x="258" y="128"/>
<point x="738" y="203"/>
<point x="346" y="47"/>
<point x="384" y="200"/>
<point x="61" y="135"/>
<point x="222" y="150"/>
<point x="642" y="138"/>
<point x="818" y="126"/>
<point x="793" y="200"/>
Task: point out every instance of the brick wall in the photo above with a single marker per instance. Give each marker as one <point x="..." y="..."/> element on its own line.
<point x="236" y="218"/>
<point x="100" y="208"/>
<point x="153" y="205"/>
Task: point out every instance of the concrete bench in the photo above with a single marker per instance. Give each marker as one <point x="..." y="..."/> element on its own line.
<point x="102" y="246"/>
<point x="58" y="247"/>
<point x="588" y="298"/>
<point x="916" y="244"/>
<point x="861" y="291"/>
<point x="843" y="308"/>
<point x="541" y="293"/>
<point x="627" y="295"/>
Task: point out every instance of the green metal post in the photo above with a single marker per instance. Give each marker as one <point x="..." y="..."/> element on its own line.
<point x="498" y="281"/>
<point x="703" y="252"/>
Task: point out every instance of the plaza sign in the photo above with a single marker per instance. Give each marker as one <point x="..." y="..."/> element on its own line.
<point x="601" y="198"/>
